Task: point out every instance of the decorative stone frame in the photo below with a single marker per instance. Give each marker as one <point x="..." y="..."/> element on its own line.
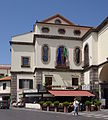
<point x="23" y="86"/>
<point x="78" y="81"/>
<point x="61" y="32"/>
<point x="48" y="76"/>
<point x="76" y="75"/>
<point x="86" y="64"/>
<point x="45" y="28"/>
<point x="25" y="66"/>
<point x="58" y="20"/>
<point x="76" y="32"/>
<point x="74" y="54"/>
<point x="48" y="54"/>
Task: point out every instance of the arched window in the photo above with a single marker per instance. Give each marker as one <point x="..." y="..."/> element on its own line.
<point x="77" y="32"/>
<point x="61" y="31"/>
<point x="62" y="56"/>
<point x="45" y="53"/>
<point x="45" y="29"/>
<point x="86" y="55"/>
<point x="57" y="21"/>
<point x="77" y="56"/>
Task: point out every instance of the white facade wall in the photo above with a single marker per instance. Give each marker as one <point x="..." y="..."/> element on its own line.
<point x="98" y="47"/>
<point x="92" y="42"/>
<point x="53" y="45"/>
<point x="103" y="45"/>
<point x="17" y="52"/>
<point x="53" y="30"/>
<point x="24" y="76"/>
<point x="63" y="79"/>
<point x="27" y="37"/>
<point x="88" y="41"/>
<point x="7" y="90"/>
<point x="94" y="49"/>
<point x="86" y="85"/>
<point x="87" y="78"/>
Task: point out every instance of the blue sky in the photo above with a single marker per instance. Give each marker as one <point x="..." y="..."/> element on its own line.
<point x="18" y="16"/>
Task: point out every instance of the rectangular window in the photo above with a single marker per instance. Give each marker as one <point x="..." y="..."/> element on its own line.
<point x="31" y="84"/>
<point x="25" y="84"/>
<point x="75" y="81"/>
<point x="25" y="61"/>
<point x="20" y="83"/>
<point x="4" y="86"/>
<point x="48" y="82"/>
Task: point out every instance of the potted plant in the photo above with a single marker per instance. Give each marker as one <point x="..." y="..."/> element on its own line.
<point x="48" y="103"/>
<point x="92" y="106"/>
<point x="60" y="107"/>
<point x="56" y="104"/>
<point x="87" y="104"/>
<point x="41" y="104"/>
<point x="65" y="104"/>
<point x="98" y="103"/>
<point x="70" y="107"/>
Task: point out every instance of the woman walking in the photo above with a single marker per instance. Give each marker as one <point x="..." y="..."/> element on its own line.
<point x="75" y="104"/>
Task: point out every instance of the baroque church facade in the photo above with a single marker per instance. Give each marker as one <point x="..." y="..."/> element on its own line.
<point x="59" y="55"/>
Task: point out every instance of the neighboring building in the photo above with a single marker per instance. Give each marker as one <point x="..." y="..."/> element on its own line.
<point x="5" y="88"/>
<point x="5" y="70"/>
<point x="60" y="55"/>
<point x="5" y="81"/>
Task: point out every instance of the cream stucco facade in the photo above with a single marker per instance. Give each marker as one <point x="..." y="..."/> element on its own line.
<point x="5" y="70"/>
<point x="91" y="56"/>
<point x="5" y="85"/>
<point x="5" y="88"/>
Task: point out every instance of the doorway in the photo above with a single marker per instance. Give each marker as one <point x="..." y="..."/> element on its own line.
<point x="106" y="96"/>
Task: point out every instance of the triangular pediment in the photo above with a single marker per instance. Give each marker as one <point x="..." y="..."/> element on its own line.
<point x="57" y="19"/>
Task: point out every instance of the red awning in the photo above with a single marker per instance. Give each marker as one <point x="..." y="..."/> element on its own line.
<point x="7" y="78"/>
<point x="71" y="93"/>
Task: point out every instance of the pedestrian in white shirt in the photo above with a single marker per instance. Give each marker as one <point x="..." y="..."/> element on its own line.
<point x="75" y="104"/>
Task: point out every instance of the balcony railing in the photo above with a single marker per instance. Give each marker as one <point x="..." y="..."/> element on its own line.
<point x="62" y="65"/>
